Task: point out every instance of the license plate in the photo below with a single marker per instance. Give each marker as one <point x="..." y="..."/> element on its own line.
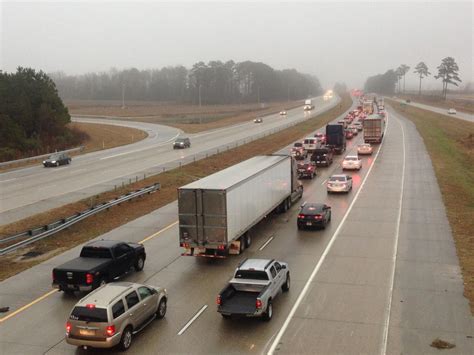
<point x="87" y="332"/>
<point x="309" y="223"/>
<point x="71" y="287"/>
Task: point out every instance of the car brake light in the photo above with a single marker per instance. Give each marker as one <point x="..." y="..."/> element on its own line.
<point x="301" y="216"/>
<point x="258" y="304"/>
<point x="185" y="245"/>
<point x="221" y="247"/>
<point x="218" y="300"/>
<point x="110" y="330"/>
<point x="318" y="216"/>
<point x="90" y="305"/>
<point x="68" y="327"/>
<point x="89" y="279"/>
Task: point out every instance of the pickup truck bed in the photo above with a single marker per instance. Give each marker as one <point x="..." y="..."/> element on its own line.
<point x="241" y="302"/>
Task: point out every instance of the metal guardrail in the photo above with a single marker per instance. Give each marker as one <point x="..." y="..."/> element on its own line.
<point x="55" y="227"/>
<point x="11" y="162"/>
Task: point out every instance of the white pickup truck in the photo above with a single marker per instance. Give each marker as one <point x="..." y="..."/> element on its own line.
<point x="250" y="293"/>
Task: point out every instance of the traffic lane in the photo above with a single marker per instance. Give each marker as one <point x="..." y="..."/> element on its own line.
<point x="82" y="176"/>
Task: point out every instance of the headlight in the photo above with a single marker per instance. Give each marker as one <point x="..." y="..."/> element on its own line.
<point x="44" y="161"/>
<point x="54" y="162"/>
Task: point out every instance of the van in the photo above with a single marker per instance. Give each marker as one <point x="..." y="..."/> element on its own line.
<point x="310" y="143"/>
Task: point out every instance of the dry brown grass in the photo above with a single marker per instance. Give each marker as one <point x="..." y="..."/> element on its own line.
<point x="170" y="181"/>
<point x="182" y="116"/>
<point x="465" y="104"/>
<point x="449" y="142"/>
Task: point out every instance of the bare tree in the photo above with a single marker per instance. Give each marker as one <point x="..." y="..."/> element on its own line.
<point x="422" y="70"/>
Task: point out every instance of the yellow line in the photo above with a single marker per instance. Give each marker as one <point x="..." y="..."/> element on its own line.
<point x="27" y="305"/>
<point x="39" y="299"/>
<point x="158" y="233"/>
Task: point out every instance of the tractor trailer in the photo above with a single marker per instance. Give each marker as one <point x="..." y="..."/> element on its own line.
<point x="374" y="128"/>
<point x="217" y="212"/>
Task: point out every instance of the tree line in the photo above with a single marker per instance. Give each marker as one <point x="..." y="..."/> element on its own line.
<point x="391" y="81"/>
<point x="33" y="117"/>
<point x="215" y="82"/>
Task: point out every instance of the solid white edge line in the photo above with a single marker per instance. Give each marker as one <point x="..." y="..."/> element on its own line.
<point x="188" y="324"/>
<point x="395" y="251"/>
<point x="266" y="243"/>
<point x="323" y="256"/>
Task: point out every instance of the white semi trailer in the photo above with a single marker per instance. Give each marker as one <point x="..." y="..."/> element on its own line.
<point x="217" y="212"/>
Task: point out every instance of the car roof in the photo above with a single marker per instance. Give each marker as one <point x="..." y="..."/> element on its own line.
<point x="103" y="296"/>
<point x="256" y="264"/>
<point x="338" y="176"/>
<point x="103" y="243"/>
<point x="310" y="207"/>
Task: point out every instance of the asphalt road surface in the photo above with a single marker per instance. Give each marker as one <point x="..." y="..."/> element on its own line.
<point x="28" y="191"/>
<point x="382" y="278"/>
<point x="461" y="115"/>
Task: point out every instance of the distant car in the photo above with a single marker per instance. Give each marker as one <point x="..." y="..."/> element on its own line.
<point x="321" y="137"/>
<point x="282" y="113"/>
<point x="322" y="156"/>
<point x="258" y="120"/>
<point x="113" y="313"/>
<point x="351" y="162"/>
<point x="339" y="183"/>
<point x="452" y="111"/>
<point x="354" y="130"/>
<point x="349" y="134"/>
<point x="359" y="126"/>
<point x="181" y="143"/>
<point x="57" y="159"/>
<point x="364" y="149"/>
<point x="313" y="215"/>
<point x="306" y="170"/>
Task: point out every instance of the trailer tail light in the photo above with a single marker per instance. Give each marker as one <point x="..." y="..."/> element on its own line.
<point x="68" y="327"/>
<point x="221" y="247"/>
<point x="258" y="304"/>
<point x="185" y="245"/>
<point x="89" y="279"/>
<point x="110" y="330"/>
<point x="218" y="300"/>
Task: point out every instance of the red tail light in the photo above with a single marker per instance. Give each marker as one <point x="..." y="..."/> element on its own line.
<point x="221" y="247"/>
<point x="90" y="305"/>
<point x="318" y="216"/>
<point x="68" y="327"/>
<point x="218" y="300"/>
<point x="301" y="216"/>
<point x="89" y="279"/>
<point x="110" y="330"/>
<point x="258" y="304"/>
<point x="185" y="245"/>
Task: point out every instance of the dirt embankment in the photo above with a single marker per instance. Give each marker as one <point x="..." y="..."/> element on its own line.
<point x="170" y="181"/>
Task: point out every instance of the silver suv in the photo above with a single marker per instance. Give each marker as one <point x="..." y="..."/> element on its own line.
<point x="110" y="315"/>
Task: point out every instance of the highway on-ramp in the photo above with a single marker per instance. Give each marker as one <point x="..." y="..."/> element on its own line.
<point x="382" y="278"/>
<point x="25" y="192"/>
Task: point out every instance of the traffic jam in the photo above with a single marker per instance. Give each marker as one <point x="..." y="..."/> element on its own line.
<point x="216" y="215"/>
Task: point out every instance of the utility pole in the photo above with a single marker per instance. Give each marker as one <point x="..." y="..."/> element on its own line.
<point x="258" y="94"/>
<point x="123" y="96"/>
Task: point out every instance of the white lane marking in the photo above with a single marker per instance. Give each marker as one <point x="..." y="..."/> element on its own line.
<point x="8" y="180"/>
<point x="192" y="319"/>
<point x="395" y="252"/>
<point x="266" y="243"/>
<point x="324" y="182"/>
<point x="323" y="257"/>
<point x="142" y="149"/>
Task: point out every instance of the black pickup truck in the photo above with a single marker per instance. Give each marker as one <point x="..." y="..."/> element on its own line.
<point x="99" y="262"/>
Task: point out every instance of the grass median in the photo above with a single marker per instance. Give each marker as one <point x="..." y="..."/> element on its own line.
<point x="450" y="144"/>
<point x="170" y="181"/>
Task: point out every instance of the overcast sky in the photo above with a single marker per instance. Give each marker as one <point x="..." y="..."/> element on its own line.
<point x="337" y="41"/>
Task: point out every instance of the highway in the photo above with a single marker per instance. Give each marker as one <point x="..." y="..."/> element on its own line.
<point x="461" y="115"/>
<point x="28" y="191"/>
<point x="383" y="278"/>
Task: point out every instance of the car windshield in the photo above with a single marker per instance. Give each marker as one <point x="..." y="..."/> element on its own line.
<point x="364" y="146"/>
<point x="352" y="158"/>
<point x="312" y="209"/>
<point x="298" y="145"/>
<point x="180" y="140"/>
<point x="100" y="253"/>
<point x="54" y="157"/>
<point x="337" y="178"/>
<point x="89" y="314"/>
<point x="251" y="275"/>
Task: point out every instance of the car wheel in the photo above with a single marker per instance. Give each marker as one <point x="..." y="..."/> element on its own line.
<point x="140" y="263"/>
<point x="286" y="285"/>
<point x="241" y="244"/>
<point x="126" y="340"/>
<point x="269" y="312"/>
<point x="161" y="311"/>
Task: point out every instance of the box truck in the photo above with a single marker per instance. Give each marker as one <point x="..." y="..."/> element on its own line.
<point x="336" y="138"/>
<point x="374" y="127"/>
<point x="308" y="105"/>
<point x="217" y="212"/>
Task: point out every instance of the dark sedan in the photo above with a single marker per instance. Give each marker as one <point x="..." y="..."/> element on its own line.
<point x="314" y="215"/>
<point x="306" y="170"/>
<point x="57" y="159"/>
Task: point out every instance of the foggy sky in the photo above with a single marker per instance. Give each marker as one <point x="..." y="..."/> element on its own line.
<point x="337" y="41"/>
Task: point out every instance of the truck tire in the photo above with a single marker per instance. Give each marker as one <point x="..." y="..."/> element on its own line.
<point x="248" y="240"/>
<point x="286" y="285"/>
<point x="126" y="339"/>
<point x="268" y="312"/>
<point x="242" y="244"/>
<point x="140" y="263"/>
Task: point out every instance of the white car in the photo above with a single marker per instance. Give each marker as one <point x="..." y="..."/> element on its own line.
<point x="282" y="113"/>
<point x="452" y="111"/>
<point x="258" y="120"/>
<point x="358" y="125"/>
<point x="351" y="162"/>
<point x="339" y="183"/>
<point x="365" y="149"/>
